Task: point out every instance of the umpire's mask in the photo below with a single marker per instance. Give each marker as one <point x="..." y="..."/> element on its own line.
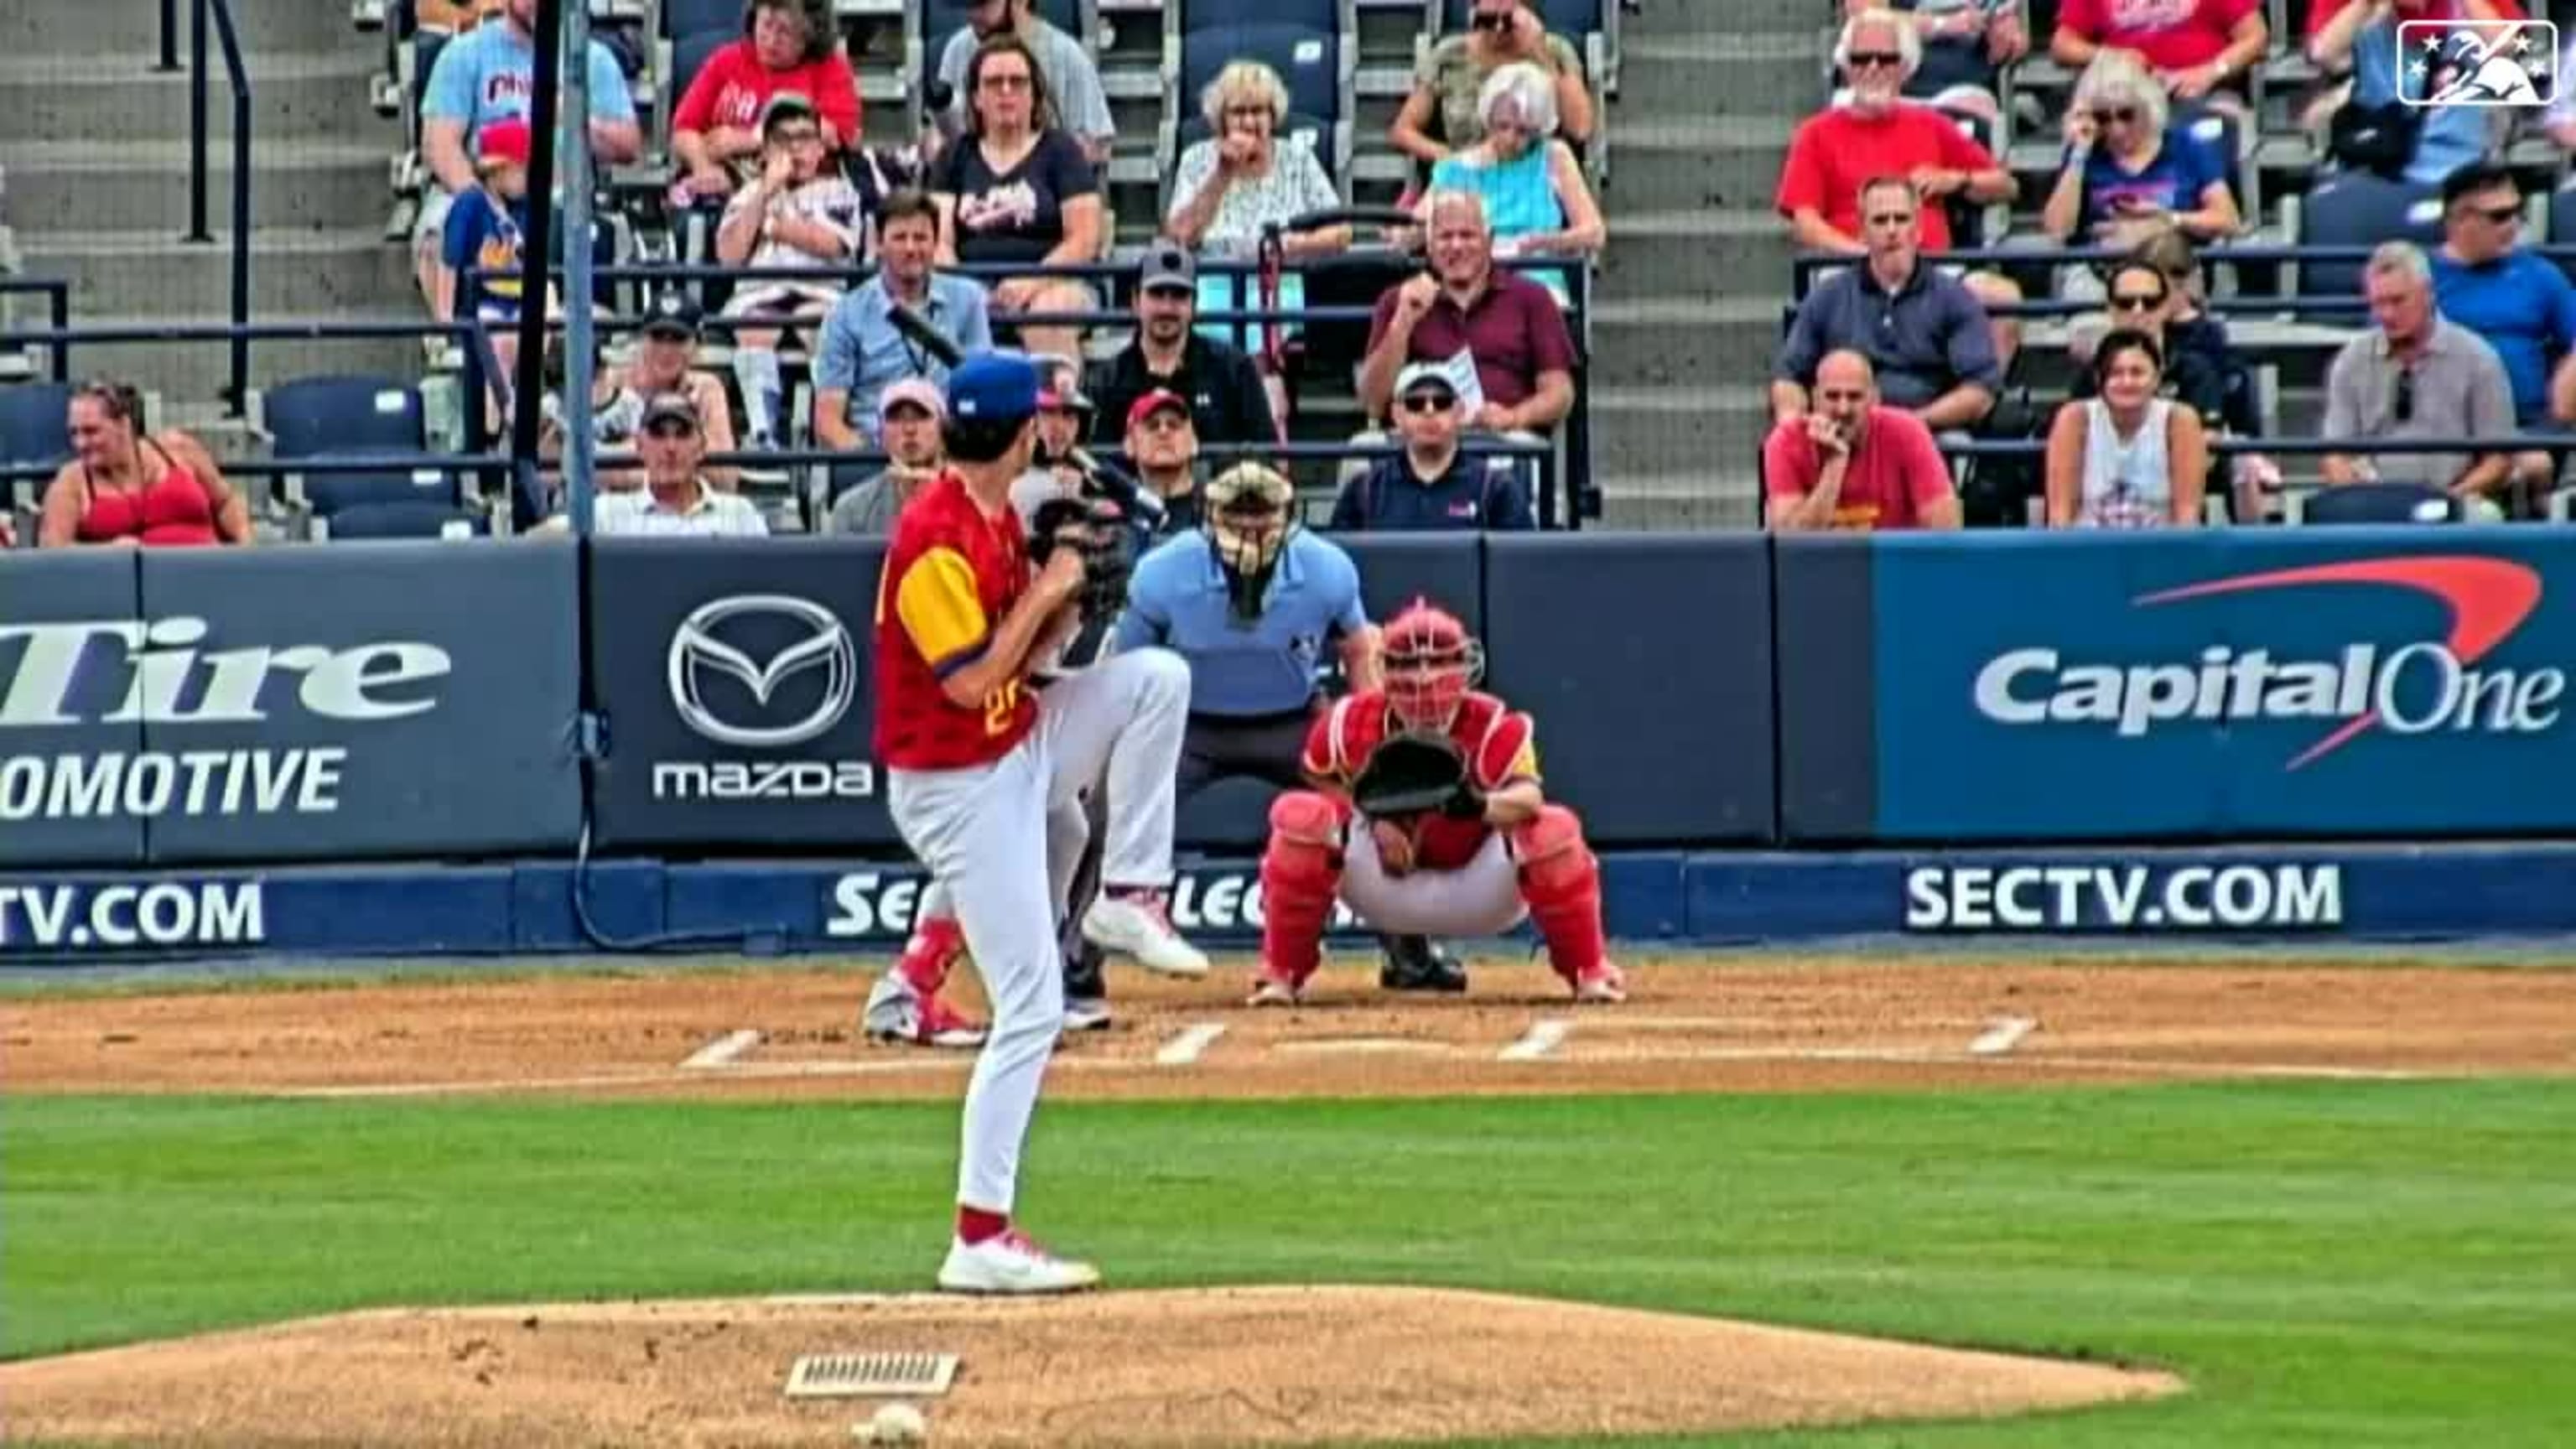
<point x="1250" y="513"/>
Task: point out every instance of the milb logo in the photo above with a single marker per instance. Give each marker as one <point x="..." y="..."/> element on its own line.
<point x="2416" y="688"/>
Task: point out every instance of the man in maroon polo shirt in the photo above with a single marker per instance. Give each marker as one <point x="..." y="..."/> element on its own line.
<point x="1499" y="333"/>
<point x="1852" y="463"/>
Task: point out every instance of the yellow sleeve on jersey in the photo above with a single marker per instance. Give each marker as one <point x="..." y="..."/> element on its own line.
<point x="1524" y="764"/>
<point x="942" y="610"/>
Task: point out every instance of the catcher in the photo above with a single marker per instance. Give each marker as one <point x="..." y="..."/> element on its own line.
<point x="1427" y="817"/>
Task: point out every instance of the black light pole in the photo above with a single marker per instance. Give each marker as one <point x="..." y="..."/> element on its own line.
<point x="528" y="389"/>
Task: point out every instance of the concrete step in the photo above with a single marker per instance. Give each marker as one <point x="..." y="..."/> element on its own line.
<point x="293" y="97"/>
<point x="1702" y="160"/>
<point x="1724" y="19"/>
<point x="1698" y="75"/>
<point x="1666" y="501"/>
<point x="193" y="375"/>
<point x="137" y="186"/>
<point x="294" y="274"/>
<point x="1686" y="431"/>
<point x="1710" y="253"/>
<point x="1721" y="338"/>
<point x="130" y="28"/>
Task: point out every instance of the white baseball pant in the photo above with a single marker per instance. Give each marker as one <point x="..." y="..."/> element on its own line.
<point x="1480" y="898"/>
<point x="1001" y="841"/>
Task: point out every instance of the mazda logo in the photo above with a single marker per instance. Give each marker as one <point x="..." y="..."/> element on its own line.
<point x="821" y="642"/>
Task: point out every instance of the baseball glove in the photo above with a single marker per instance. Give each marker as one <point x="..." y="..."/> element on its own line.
<point x="1098" y="528"/>
<point x="1416" y="774"/>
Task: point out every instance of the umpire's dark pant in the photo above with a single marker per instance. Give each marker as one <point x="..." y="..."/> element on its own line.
<point x="1217" y="747"/>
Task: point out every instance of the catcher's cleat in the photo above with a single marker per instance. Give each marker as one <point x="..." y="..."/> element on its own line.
<point x="1273" y="991"/>
<point x="1416" y="963"/>
<point x="897" y="1013"/>
<point x="1086" y="992"/>
<point x="1603" y="985"/>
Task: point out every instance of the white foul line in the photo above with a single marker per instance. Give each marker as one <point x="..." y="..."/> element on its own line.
<point x="1542" y="1038"/>
<point x="722" y="1051"/>
<point x="2001" y="1035"/>
<point x="1186" y="1048"/>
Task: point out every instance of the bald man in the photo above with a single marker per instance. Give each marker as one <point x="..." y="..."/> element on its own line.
<point x="1853" y="462"/>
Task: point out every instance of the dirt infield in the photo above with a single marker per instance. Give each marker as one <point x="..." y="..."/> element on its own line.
<point x="1817" y="1023"/>
<point x="1384" y="1365"/>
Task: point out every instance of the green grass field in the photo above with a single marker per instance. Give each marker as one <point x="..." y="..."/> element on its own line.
<point x="2328" y="1264"/>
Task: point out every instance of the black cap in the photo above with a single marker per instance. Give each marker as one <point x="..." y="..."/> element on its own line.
<point x="1168" y="264"/>
<point x="672" y="315"/>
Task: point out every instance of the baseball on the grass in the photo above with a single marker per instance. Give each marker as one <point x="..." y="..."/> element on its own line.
<point x="895" y="1424"/>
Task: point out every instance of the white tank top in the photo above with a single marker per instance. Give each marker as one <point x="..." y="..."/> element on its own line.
<point x="2125" y="484"/>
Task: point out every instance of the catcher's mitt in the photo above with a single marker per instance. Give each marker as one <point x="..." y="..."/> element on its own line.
<point x="1416" y="774"/>
<point x="1098" y="528"/>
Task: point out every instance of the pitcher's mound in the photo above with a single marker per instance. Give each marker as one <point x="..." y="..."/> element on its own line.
<point x="1242" y="1366"/>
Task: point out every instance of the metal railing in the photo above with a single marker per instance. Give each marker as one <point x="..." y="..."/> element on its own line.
<point x="235" y="395"/>
<point x="1805" y="265"/>
<point x="58" y="315"/>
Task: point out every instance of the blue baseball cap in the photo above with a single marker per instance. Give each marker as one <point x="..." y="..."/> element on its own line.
<point x="994" y="387"/>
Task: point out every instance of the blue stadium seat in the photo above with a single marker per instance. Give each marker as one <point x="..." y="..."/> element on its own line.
<point x="2380" y="503"/>
<point x="1213" y="14"/>
<point x="1573" y="19"/>
<point x="1308" y="60"/>
<point x="332" y="494"/>
<point x="350" y="414"/>
<point x="2562" y="224"/>
<point x="2353" y="209"/>
<point x="406" y="520"/>
<point x="691" y="17"/>
<point x="941" y="19"/>
<point x="35" y="422"/>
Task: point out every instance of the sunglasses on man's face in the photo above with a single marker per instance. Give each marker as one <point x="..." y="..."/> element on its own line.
<point x="670" y="430"/>
<point x="1006" y="81"/>
<point x="1864" y="59"/>
<point x="2116" y="115"/>
<point x="2501" y="215"/>
<point x="1430" y="402"/>
<point x="2137" y="301"/>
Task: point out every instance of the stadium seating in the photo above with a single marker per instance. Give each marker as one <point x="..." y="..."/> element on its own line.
<point x="403" y="520"/>
<point x="2358" y="210"/>
<point x="331" y="494"/>
<point x="682" y="18"/>
<point x="34" y="422"/>
<point x="314" y="415"/>
<point x="2377" y="503"/>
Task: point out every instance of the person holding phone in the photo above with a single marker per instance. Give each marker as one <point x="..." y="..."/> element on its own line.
<point x="2129" y="172"/>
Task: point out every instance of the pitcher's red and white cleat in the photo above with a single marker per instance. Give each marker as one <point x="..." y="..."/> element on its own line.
<point x="1603" y="985"/>
<point x="1011" y="1263"/>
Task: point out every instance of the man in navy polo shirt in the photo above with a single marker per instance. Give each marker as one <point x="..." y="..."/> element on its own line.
<point x="1433" y="483"/>
<point x="1250" y="601"/>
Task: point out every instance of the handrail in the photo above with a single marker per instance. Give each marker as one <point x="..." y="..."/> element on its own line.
<point x="1805" y="265"/>
<point x="169" y="37"/>
<point x="236" y="395"/>
<point x="58" y="315"/>
<point x="2289" y="447"/>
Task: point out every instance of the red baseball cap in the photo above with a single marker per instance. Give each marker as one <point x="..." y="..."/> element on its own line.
<point x="1154" y="402"/>
<point x="507" y="139"/>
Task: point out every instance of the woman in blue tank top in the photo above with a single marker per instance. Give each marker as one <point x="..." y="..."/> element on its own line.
<point x="1533" y="187"/>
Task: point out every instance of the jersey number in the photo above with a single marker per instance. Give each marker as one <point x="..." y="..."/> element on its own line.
<point x="999" y="706"/>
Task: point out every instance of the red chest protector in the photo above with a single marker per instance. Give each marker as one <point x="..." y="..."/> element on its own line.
<point x="1494" y="738"/>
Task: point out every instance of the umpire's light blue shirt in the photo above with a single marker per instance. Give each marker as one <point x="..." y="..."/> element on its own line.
<point x="1242" y="668"/>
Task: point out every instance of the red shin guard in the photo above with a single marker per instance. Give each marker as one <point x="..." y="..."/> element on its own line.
<point x="1301" y="873"/>
<point x="1561" y="883"/>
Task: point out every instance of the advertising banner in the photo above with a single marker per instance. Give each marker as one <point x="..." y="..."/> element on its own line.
<point x="2309" y="683"/>
<point x="735" y="685"/>
<point x="68" y="733"/>
<point x="1645" y="660"/>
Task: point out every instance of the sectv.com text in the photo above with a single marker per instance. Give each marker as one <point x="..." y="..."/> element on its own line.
<point x="2123" y="897"/>
<point x="163" y="915"/>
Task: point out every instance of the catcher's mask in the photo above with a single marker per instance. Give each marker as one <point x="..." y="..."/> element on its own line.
<point x="1249" y="519"/>
<point x="1431" y="663"/>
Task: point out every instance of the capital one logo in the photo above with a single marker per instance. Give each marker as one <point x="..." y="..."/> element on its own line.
<point x="2417" y="688"/>
<point x="701" y="655"/>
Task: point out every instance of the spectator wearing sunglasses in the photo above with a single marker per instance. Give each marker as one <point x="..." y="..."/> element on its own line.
<point x="2486" y="280"/>
<point x="675" y="501"/>
<point x="1877" y="133"/>
<point x="1450" y="81"/>
<point x="2129" y="172"/>
<point x="1965" y="44"/>
<point x="1433" y="483"/>
<point x="2142" y="299"/>
<point x="1924" y="333"/>
<point x="2199" y="51"/>
<point x="2416" y="374"/>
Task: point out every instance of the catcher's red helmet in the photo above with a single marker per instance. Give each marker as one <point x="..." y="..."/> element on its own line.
<point x="1431" y="663"/>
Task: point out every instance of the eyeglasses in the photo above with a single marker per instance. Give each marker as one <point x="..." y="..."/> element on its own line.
<point x="2502" y="215"/>
<point x="1429" y="402"/>
<point x="2405" y="408"/>
<point x="671" y="430"/>
<point x="2122" y="115"/>
<point x="1006" y="81"/>
<point x="2133" y="302"/>
<point x="798" y="138"/>
<point x="1863" y="59"/>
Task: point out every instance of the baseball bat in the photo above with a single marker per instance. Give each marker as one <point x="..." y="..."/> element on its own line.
<point x="1115" y="487"/>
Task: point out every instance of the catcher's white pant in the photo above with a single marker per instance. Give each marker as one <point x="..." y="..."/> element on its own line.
<point x="1001" y="841"/>
<point x="1480" y="898"/>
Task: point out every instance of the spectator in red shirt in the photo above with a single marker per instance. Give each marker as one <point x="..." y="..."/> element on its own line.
<point x="786" y="45"/>
<point x="1879" y="134"/>
<point x="1854" y="464"/>
<point x="2194" y="46"/>
<point x="1510" y="356"/>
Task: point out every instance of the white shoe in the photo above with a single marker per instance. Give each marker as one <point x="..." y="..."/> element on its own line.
<point x="1140" y="927"/>
<point x="1086" y="1016"/>
<point x="1273" y="991"/>
<point x="897" y="1013"/>
<point x="1011" y="1263"/>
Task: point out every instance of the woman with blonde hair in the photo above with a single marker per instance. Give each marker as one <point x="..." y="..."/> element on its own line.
<point x="1246" y="177"/>
<point x="2129" y="172"/>
<point x="1536" y="199"/>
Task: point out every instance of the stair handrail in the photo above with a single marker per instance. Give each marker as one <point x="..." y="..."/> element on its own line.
<point x="237" y="395"/>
